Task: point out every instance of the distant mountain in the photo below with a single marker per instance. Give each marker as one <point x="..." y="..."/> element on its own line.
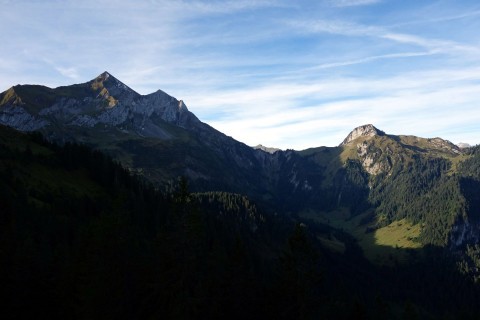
<point x="369" y="182"/>
<point x="266" y="149"/>
<point x="462" y="145"/>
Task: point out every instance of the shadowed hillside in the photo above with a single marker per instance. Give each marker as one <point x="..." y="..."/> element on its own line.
<point x="83" y="238"/>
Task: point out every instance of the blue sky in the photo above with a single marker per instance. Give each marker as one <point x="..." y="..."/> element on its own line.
<point x="288" y="74"/>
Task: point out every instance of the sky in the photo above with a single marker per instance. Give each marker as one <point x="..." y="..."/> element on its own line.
<point x="286" y="74"/>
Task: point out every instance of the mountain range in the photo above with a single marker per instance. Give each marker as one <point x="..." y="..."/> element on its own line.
<point x="185" y="212"/>
<point x="362" y="179"/>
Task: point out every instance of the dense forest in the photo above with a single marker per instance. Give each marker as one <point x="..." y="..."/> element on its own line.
<point x="424" y="190"/>
<point x="424" y="193"/>
<point x="82" y="237"/>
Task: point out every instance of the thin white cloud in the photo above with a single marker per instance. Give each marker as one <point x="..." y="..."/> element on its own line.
<point x="372" y="58"/>
<point x="71" y="73"/>
<point x="352" y="3"/>
<point x="433" y="44"/>
<point x="339" y="27"/>
<point x="199" y="8"/>
<point x="465" y="15"/>
<point x="344" y="28"/>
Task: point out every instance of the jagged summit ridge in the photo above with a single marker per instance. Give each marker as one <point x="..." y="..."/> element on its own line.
<point x="367" y="130"/>
<point x="103" y="100"/>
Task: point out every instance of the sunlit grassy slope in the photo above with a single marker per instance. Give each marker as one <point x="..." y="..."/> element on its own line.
<point x="381" y="246"/>
<point x="386" y="244"/>
<point x="400" y="234"/>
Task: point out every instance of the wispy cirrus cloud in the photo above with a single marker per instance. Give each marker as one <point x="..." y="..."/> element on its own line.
<point x="441" y="46"/>
<point x="372" y="58"/>
<point x="71" y="72"/>
<point x="443" y="18"/>
<point x="352" y="3"/>
<point x="345" y="28"/>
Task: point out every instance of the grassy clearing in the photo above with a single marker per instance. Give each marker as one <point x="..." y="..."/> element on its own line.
<point x="390" y="243"/>
<point x="456" y="161"/>
<point x="383" y="246"/>
<point x="400" y="234"/>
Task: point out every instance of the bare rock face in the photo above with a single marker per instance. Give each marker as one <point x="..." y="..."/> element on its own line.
<point x="20" y="119"/>
<point x="374" y="160"/>
<point x="367" y="130"/>
<point x="463" y="232"/>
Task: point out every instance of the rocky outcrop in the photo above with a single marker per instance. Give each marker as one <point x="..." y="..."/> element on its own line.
<point x="445" y="145"/>
<point x="367" y="130"/>
<point x="464" y="232"/>
<point x="266" y="149"/>
<point x="166" y="107"/>
<point x="374" y="160"/>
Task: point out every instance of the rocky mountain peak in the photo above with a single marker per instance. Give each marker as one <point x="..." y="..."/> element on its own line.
<point x="367" y="130"/>
<point x="104" y="76"/>
<point x="111" y="88"/>
<point x="103" y="100"/>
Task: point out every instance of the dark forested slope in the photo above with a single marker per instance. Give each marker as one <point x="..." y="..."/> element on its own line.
<point x="80" y="237"/>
